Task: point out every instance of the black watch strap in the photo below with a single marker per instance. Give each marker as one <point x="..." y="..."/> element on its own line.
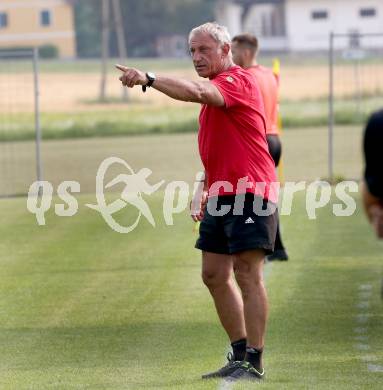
<point x="151" y="79"/>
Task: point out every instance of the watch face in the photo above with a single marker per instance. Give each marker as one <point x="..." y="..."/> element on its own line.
<point x="151" y="75"/>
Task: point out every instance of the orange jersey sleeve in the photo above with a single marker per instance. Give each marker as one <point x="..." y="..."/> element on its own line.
<point x="268" y="83"/>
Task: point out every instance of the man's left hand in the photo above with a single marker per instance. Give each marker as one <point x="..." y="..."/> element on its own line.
<point x="132" y="76"/>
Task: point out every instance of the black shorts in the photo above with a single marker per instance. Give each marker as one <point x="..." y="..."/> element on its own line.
<point x="275" y="147"/>
<point x="230" y="233"/>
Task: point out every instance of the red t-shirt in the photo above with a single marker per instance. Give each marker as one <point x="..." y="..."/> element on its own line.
<point x="232" y="139"/>
<point x="268" y="84"/>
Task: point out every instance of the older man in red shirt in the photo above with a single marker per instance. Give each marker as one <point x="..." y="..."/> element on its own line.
<point x="238" y="210"/>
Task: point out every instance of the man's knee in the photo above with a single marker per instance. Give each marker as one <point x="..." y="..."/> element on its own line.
<point x="216" y="270"/>
<point x="214" y="278"/>
<point x="248" y="278"/>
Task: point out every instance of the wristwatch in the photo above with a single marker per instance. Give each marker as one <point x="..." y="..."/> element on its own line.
<point x="151" y="79"/>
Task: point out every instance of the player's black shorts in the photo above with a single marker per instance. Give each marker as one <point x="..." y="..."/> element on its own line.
<point x="275" y="147"/>
<point x="230" y="233"/>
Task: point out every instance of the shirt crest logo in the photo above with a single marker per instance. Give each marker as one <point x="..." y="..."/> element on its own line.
<point x="229" y="79"/>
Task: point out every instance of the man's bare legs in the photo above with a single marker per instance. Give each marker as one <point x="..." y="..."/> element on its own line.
<point x="241" y="316"/>
<point x="248" y="269"/>
<point x="217" y="273"/>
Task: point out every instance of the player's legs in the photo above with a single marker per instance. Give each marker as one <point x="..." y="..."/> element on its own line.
<point x="248" y="268"/>
<point x="250" y="238"/>
<point x="217" y="276"/>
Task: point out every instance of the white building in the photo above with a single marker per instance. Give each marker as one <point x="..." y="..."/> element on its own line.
<point x="302" y="25"/>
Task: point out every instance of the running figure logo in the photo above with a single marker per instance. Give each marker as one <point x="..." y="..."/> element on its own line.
<point x="135" y="185"/>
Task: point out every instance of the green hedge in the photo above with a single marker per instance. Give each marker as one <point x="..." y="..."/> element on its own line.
<point x="45" y="51"/>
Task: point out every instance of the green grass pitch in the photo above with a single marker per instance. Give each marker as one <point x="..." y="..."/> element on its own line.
<point x="82" y="307"/>
<point x="170" y="156"/>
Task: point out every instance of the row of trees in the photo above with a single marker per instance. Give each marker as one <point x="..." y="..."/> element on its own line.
<point x="143" y="21"/>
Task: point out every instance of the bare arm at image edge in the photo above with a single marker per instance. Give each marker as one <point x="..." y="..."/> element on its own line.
<point x="372" y="193"/>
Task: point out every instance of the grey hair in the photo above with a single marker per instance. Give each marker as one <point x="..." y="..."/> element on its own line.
<point x="219" y="33"/>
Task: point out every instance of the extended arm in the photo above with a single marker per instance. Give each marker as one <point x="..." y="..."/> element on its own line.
<point x="373" y="179"/>
<point x="203" y="92"/>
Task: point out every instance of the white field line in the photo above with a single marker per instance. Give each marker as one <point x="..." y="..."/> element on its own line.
<point x="361" y="331"/>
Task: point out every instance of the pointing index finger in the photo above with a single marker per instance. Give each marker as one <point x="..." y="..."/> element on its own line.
<point x="121" y="67"/>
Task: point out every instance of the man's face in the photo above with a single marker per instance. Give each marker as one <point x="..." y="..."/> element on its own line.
<point x="240" y="54"/>
<point x="207" y="55"/>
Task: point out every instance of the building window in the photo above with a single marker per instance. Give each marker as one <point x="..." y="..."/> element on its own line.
<point x="45" y="18"/>
<point x="3" y="20"/>
<point x="367" y="12"/>
<point x="319" y="15"/>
